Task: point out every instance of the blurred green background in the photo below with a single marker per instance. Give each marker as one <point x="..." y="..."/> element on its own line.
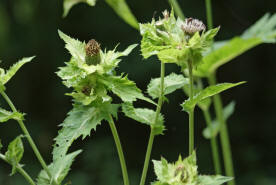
<point x="29" y="27"/>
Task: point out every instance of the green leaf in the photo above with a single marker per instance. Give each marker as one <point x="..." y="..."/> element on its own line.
<point x="172" y="82"/>
<point x="145" y="116"/>
<point x="5" y="77"/>
<point x="122" y="9"/>
<point x="75" y="47"/>
<point x="68" y="4"/>
<point x="59" y="169"/>
<point x="123" y="87"/>
<point x="189" y="104"/>
<point x="213" y="130"/>
<point x="7" y="115"/>
<point x="213" y="180"/>
<point x="80" y="121"/>
<point x="15" y="153"/>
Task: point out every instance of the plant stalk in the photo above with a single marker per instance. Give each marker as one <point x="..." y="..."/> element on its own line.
<point x="152" y="135"/>
<point x="191" y="113"/>
<point x="224" y="137"/>
<point x="177" y="8"/>
<point x="120" y="151"/>
<point x="214" y="144"/>
<point x="28" y="136"/>
<point x="20" y="170"/>
<point x="209" y="14"/>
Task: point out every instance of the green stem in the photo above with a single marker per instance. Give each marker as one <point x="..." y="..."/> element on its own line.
<point x="191" y="113"/>
<point x="209" y="14"/>
<point x="225" y="142"/>
<point x="214" y="144"/>
<point x="20" y="170"/>
<point x="152" y="135"/>
<point x="120" y="151"/>
<point x="28" y="136"/>
<point x="177" y="8"/>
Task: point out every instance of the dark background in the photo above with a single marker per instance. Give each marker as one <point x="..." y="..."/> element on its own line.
<point x="29" y="27"/>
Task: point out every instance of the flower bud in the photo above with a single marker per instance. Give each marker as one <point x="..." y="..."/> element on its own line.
<point x="92" y="50"/>
<point x="192" y="26"/>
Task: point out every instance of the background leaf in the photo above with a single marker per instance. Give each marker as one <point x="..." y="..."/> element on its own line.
<point x="213" y="180"/>
<point x="189" y="104"/>
<point x="68" y="4"/>
<point x="7" y="115"/>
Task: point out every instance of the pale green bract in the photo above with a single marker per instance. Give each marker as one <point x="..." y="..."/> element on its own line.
<point x="146" y="116"/>
<point x="7" y="115"/>
<point x="15" y="153"/>
<point x="59" y="169"/>
<point x="263" y="31"/>
<point x="213" y="130"/>
<point x="5" y="76"/>
<point x="184" y="172"/>
<point x="172" y="82"/>
<point x="166" y="39"/>
<point x="68" y="4"/>
<point x="189" y="104"/>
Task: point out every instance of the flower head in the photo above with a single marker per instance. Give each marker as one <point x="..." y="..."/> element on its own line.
<point x="92" y="48"/>
<point x="192" y="26"/>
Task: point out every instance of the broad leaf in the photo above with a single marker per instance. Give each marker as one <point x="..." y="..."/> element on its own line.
<point x="68" y="4"/>
<point x="15" y="153"/>
<point x="6" y="76"/>
<point x="263" y="31"/>
<point x="80" y="121"/>
<point x="213" y="130"/>
<point x="7" y="115"/>
<point x="146" y="116"/>
<point x="189" y="104"/>
<point x="123" y="87"/>
<point x="213" y="180"/>
<point x="172" y="82"/>
<point x="75" y="47"/>
<point x="122" y="9"/>
<point x="59" y="170"/>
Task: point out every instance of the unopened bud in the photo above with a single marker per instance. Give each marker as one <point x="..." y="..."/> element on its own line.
<point x="92" y="50"/>
<point x="192" y="26"/>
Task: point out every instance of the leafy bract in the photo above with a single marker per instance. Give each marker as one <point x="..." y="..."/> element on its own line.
<point x="263" y="31"/>
<point x="7" y="115"/>
<point x="5" y="76"/>
<point x="122" y="9"/>
<point x="146" y="116"/>
<point x="172" y="82"/>
<point x="189" y="104"/>
<point x="80" y="121"/>
<point x="68" y="4"/>
<point x="166" y="39"/>
<point x="15" y="153"/>
<point x="59" y="170"/>
<point x="183" y="172"/>
<point x="212" y="130"/>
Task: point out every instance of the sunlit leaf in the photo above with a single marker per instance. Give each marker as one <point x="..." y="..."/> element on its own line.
<point x="213" y="180"/>
<point x="68" y="4"/>
<point x="7" y="115"/>
<point x="172" y="82"/>
<point x="15" y="153"/>
<point x="189" y="104"/>
<point x="146" y="116"/>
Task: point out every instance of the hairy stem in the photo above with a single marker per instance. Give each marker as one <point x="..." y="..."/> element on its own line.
<point x="177" y="9"/>
<point x="151" y="139"/>
<point x="224" y="137"/>
<point x="28" y="136"/>
<point x="120" y="151"/>
<point x="20" y="170"/>
<point x="214" y="144"/>
<point x="191" y="113"/>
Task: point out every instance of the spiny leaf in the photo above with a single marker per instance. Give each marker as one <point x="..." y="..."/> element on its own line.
<point x="59" y="170"/>
<point x="124" y="88"/>
<point x="13" y="69"/>
<point x="80" y="121"/>
<point x="189" y="104"/>
<point x="172" y="82"/>
<point x="122" y="9"/>
<point x="146" y="116"/>
<point x="7" y="115"/>
<point x="75" y="47"/>
<point x="213" y="130"/>
<point x="213" y="180"/>
<point x="68" y="4"/>
<point x="15" y="153"/>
